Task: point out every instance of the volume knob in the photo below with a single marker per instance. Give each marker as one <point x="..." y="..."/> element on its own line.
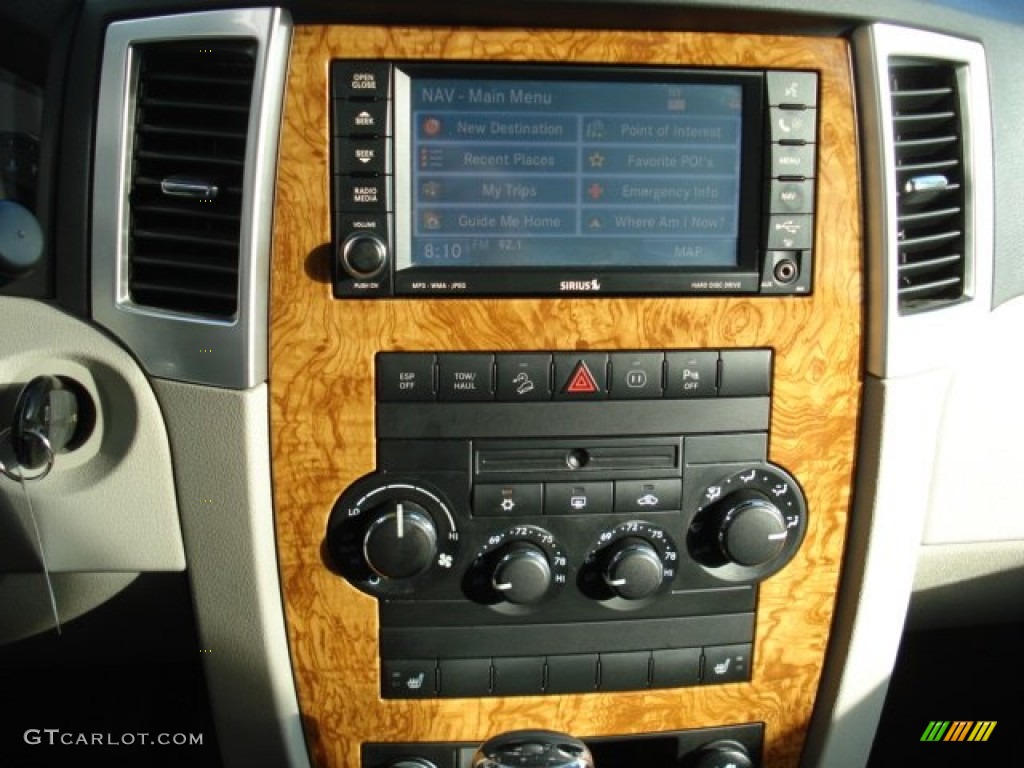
<point x="401" y="541"/>
<point x="363" y="255"/>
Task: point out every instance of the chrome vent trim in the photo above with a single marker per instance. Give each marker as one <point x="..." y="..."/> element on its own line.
<point x="930" y="184"/>
<point x="188" y="159"/>
<point x="196" y="332"/>
<point x="928" y="197"/>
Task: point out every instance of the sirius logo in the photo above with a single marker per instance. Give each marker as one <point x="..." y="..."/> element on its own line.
<point x="580" y="285"/>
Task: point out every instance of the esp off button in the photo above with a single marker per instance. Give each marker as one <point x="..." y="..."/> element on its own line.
<point x="405" y="377"/>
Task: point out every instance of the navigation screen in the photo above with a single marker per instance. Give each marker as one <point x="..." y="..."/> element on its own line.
<point x="555" y="173"/>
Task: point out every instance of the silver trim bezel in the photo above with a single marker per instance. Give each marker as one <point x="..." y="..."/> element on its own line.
<point x="899" y="345"/>
<point x="225" y="353"/>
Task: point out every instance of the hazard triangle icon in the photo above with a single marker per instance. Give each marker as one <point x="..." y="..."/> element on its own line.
<point x="582" y="381"/>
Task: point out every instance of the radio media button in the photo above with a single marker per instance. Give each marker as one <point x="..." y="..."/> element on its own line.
<point x="361" y="118"/>
<point x="691" y="374"/>
<point x="791" y="196"/>
<point x="746" y="373"/>
<point x="368" y="80"/>
<point x="636" y="376"/>
<point x="508" y="500"/>
<point x="524" y="377"/>
<point x="792" y="88"/>
<point x="793" y="161"/>
<point x="581" y="377"/>
<point x="463" y="377"/>
<point x="361" y="156"/>
<point x="638" y="496"/>
<point x="405" y="376"/>
<point x="355" y="194"/>
<point x="790" y="232"/>
<point x="796" y="126"/>
<point x="578" y="498"/>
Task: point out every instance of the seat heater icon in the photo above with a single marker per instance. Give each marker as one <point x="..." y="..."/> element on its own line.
<point x="415" y="683"/>
<point x="722" y="667"/>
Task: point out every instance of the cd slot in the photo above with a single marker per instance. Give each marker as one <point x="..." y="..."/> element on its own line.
<point x="563" y="458"/>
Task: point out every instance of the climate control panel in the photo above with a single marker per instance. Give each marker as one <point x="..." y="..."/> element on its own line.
<point x="557" y="562"/>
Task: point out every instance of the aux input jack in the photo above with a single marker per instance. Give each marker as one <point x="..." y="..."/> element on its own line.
<point x="786" y="271"/>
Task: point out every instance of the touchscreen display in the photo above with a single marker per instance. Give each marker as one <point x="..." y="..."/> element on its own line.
<point x="562" y="174"/>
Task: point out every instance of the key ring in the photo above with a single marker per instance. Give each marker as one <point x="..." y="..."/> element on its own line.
<point x="47" y="448"/>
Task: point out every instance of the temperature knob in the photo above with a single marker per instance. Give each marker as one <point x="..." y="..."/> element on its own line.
<point x="516" y="570"/>
<point x="400" y="541"/>
<point x="632" y="564"/>
<point x="522" y="573"/>
<point x="632" y="569"/>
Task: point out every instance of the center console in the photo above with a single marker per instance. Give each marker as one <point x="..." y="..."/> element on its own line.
<point x="565" y="372"/>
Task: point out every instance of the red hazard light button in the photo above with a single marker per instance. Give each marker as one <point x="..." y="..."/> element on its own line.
<point x="581" y="377"/>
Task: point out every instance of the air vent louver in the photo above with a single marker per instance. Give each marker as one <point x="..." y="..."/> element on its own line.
<point x="930" y="183"/>
<point x="191" y="122"/>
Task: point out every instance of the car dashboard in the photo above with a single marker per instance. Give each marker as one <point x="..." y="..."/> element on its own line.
<point x="610" y="370"/>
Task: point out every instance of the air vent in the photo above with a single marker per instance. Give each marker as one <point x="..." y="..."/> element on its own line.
<point x="188" y="162"/>
<point x="930" y="184"/>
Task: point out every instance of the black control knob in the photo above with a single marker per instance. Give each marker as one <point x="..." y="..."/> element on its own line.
<point x="363" y="255"/>
<point x="632" y="569"/>
<point x="752" y="530"/>
<point x="400" y="541"/>
<point x="723" y="754"/>
<point x="411" y="762"/>
<point x="522" y="573"/>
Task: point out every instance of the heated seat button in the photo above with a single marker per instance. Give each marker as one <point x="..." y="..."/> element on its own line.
<point x="636" y="375"/>
<point x="726" y="663"/>
<point x="408" y="678"/>
<point x="508" y="500"/>
<point x="639" y="496"/>
<point x="405" y="376"/>
<point x="691" y="374"/>
<point x="465" y="377"/>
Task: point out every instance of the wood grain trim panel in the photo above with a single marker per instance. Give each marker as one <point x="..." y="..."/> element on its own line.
<point x="322" y="423"/>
